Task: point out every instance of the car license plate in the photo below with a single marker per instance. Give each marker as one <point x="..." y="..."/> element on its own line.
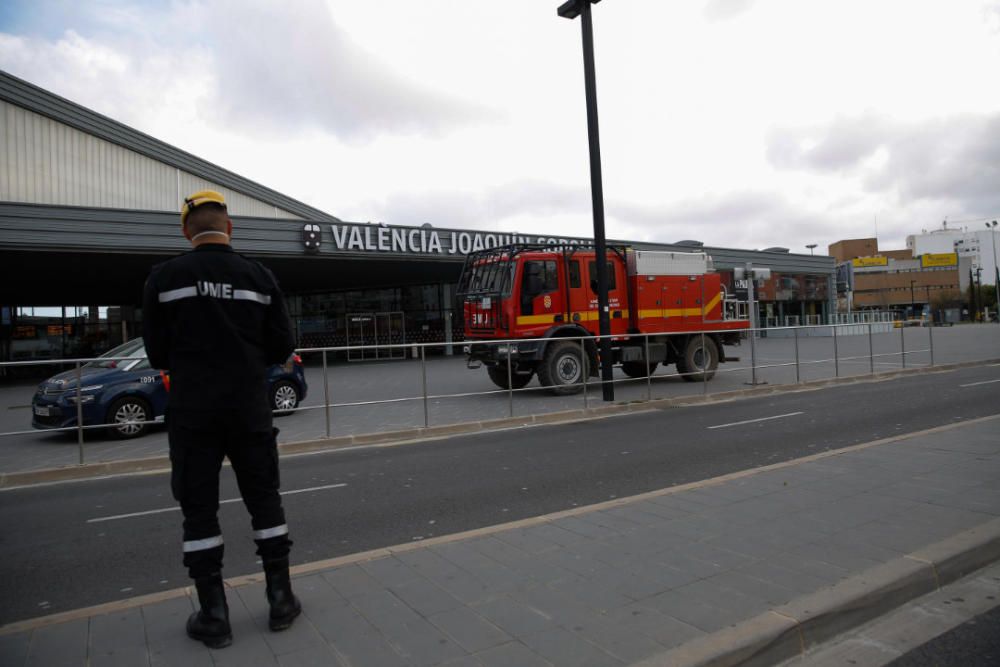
<point x="41" y="411"/>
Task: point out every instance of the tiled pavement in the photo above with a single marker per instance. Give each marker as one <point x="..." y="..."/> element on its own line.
<point x="613" y="584"/>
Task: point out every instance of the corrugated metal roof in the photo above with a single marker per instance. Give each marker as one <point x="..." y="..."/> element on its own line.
<point x="31" y="97"/>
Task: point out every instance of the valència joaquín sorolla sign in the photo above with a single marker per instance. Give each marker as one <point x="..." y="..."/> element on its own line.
<point x="423" y="240"/>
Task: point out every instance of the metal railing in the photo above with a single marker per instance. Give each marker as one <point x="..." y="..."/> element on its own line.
<point x="846" y="346"/>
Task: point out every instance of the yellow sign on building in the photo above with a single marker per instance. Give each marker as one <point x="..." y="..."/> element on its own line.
<point x="861" y="262"/>
<point x="939" y="259"/>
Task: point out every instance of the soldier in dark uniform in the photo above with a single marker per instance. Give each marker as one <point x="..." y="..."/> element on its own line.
<point x="217" y="321"/>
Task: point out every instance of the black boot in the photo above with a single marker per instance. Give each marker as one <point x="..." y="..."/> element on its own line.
<point x="284" y="605"/>
<point x="210" y="624"/>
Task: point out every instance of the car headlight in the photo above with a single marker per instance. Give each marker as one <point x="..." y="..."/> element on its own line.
<point x="87" y="393"/>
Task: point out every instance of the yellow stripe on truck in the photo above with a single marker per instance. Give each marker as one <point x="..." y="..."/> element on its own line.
<point x="681" y="312"/>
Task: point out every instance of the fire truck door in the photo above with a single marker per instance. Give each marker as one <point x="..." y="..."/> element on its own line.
<point x="617" y="299"/>
<point x="541" y="300"/>
<point x="579" y="296"/>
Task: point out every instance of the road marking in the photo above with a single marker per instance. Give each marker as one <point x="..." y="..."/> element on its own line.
<point x="753" y="421"/>
<point x="221" y="502"/>
<point x="975" y="384"/>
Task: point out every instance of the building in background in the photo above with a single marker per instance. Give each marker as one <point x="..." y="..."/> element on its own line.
<point x="88" y="205"/>
<point x="897" y="280"/>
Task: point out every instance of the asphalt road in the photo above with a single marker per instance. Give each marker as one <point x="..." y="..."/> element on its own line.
<point x="455" y="391"/>
<point x="77" y="544"/>
<point x="975" y="643"/>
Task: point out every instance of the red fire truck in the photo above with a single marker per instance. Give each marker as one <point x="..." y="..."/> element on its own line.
<point x="542" y="295"/>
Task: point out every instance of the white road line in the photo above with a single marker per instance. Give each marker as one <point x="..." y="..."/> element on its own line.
<point x="221" y="502"/>
<point x="974" y="384"/>
<point x="752" y="421"/>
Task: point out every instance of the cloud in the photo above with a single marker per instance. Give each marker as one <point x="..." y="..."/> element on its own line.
<point x="486" y="208"/>
<point x="273" y="71"/>
<point x="311" y="73"/>
<point x="722" y="10"/>
<point x="954" y="159"/>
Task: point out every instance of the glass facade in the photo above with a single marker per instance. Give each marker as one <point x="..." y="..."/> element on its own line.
<point x="385" y="316"/>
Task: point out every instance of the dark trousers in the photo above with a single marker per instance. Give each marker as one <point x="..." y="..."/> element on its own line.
<point x="196" y="454"/>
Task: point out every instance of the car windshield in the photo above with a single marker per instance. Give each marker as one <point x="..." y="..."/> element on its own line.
<point x="134" y="349"/>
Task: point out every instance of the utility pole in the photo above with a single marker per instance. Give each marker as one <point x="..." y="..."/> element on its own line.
<point x="570" y="10"/>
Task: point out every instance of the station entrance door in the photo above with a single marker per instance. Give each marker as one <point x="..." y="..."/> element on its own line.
<point x="367" y="331"/>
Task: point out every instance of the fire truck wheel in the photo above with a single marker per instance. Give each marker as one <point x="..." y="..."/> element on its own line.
<point x="699" y="363"/>
<point x="498" y="374"/>
<point x="638" y="369"/>
<point x="562" y="369"/>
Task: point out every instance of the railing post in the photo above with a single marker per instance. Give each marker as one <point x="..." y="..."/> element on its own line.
<point x="871" y="350"/>
<point x="423" y="372"/>
<point x="326" y="394"/>
<point x="902" y="344"/>
<point x="79" y="411"/>
<point x="649" y="373"/>
<point x="798" y="377"/>
<point x="836" y="354"/>
<point x="930" y="335"/>
<point x="705" y="360"/>
<point x="510" y="383"/>
<point x="586" y="371"/>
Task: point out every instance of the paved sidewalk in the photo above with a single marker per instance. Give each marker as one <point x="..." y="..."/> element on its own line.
<point x="749" y="568"/>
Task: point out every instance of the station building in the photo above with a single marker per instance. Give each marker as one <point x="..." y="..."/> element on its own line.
<point x="88" y="205"/>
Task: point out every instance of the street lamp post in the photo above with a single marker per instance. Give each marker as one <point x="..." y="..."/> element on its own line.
<point x="570" y="10"/>
<point x="992" y="226"/>
<point x="913" y="305"/>
<point x="811" y="246"/>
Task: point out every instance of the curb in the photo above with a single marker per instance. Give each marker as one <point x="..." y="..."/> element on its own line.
<point x="157" y="464"/>
<point x="791" y="630"/>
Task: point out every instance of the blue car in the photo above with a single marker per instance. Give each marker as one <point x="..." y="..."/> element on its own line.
<point x="122" y="390"/>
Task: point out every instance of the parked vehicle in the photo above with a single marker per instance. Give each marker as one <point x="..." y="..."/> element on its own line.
<point x="122" y="390"/>
<point x="550" y="293"/>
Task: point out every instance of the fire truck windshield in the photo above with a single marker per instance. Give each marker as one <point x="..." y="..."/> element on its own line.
<point x="491" y="277"/>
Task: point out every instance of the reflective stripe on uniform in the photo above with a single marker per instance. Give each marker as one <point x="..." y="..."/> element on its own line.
<point x="180" y="293"/>
<point x="249" y="295"/>
<point x="201" y="545"/>
<point x="267" y="533"/>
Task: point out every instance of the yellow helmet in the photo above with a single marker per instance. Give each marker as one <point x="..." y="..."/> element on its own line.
<point x="195" y="200"/>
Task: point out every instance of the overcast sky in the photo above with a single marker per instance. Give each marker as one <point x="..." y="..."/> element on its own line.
<point x="740" y="123"/>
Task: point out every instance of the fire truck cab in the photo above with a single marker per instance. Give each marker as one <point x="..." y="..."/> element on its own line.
<point x="544" y="300"/>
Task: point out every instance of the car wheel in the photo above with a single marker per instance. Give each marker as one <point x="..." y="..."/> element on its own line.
<point x="126" y="416"/>
<point x="284" y="397"/>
